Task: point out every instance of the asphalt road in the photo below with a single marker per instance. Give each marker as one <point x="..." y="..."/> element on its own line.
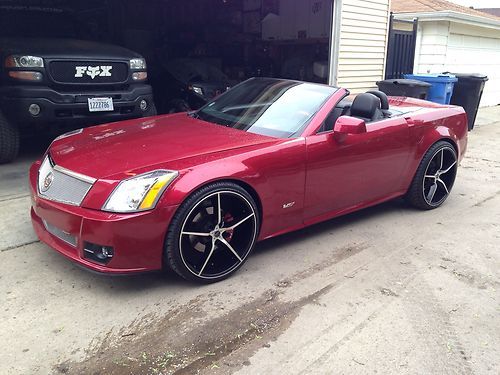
<point x="387" y="290"/>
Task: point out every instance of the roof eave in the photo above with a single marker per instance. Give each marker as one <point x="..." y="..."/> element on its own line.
<point x="451" y="16"/>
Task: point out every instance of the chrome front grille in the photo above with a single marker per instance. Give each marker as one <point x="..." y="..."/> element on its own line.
<point x="62" y="235"/>
<point x="61" y="185"/>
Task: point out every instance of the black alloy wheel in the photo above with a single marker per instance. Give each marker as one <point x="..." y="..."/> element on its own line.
<point x="212" y="233"/>
<point x="435" y="177"/>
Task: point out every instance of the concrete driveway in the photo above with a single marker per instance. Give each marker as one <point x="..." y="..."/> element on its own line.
<point x="387" y="290"/>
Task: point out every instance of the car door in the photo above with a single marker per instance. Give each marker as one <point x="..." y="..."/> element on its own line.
<point x="360" y="169"/>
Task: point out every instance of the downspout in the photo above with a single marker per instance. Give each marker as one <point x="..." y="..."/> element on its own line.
<point x="335" y="42"/>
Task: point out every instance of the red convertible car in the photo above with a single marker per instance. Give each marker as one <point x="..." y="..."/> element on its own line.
<point x="195" y="191"/>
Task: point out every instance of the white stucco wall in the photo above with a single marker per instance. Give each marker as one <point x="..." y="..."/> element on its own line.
<point x="456" y="47"/>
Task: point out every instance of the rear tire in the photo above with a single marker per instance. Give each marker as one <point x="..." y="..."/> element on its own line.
<point x="434" y="178"/>
<point x="9" y="140"/>
<point x="212" y="233"/>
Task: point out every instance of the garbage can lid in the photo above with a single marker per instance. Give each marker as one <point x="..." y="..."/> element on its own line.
<point x="433" y="78"/>
<point x="405" y="82"/>
<point x="475" y="76"/>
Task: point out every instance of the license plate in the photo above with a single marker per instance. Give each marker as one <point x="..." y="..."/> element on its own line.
<point x="101" y="104"/>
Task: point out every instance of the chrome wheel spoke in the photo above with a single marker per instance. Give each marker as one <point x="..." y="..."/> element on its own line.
<point x="219" y="210"/>
<point x="195" y="234"/>
<point x="449" y="168"/>
<point x="432" y="192"/>
<point x="240" y="222"/>
<point x="209" y="245"/>
<point x="439" y="176"/>
<point x="223" y="240"/>
<point x="208" y="258"/>
<point x="444" y="185"/>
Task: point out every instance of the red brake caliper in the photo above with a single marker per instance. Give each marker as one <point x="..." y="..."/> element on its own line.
<point x="228" y="219"/>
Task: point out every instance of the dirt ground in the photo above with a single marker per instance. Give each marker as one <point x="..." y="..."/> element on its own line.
<point x="388" y="290"/>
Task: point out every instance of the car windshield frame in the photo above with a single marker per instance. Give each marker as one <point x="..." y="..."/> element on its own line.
<point x="264" y="114"/>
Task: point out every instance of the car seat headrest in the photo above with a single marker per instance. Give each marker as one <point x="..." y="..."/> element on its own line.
<point x="384" y="100"/>
<point x="365" y="106"/>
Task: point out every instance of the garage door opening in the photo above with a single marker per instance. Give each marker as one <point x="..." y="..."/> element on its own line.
<point x="195" y="49"/>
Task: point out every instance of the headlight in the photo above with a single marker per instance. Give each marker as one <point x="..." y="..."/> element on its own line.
<point x="24" y="62"/>
<point x="139" y="193"/>
<point x="138" y="64"/>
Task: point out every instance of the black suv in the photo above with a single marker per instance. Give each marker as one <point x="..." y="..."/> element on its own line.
<point x="55" y="84"/>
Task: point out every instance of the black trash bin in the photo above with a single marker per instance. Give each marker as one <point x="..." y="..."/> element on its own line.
<point x="467" y="94"/>
<point x="405" y="87"/>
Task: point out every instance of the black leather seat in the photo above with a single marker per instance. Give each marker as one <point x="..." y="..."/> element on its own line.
<point x="367" y="107"/>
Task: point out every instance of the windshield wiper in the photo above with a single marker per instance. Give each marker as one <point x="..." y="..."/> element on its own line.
<point x="193" y="114"/>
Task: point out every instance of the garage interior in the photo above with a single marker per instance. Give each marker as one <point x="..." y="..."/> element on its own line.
<point x="239" y="38"/>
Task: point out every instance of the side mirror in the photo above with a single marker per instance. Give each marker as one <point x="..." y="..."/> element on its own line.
<point x="349" y="125"/>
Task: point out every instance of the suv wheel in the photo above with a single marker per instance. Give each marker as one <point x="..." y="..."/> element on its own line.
<point x="9" y="140"/>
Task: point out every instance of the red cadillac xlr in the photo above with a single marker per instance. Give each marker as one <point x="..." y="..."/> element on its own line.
<point x="195" y="191"/>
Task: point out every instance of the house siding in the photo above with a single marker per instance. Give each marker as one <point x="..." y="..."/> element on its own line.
<point x="362" y="44"/>
<point x="460" y="48"/>
<point x="432" y="47"/>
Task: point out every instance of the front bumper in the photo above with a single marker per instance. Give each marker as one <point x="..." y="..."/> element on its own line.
<point x="71" y="108"/>
<point x="137" y="239"/>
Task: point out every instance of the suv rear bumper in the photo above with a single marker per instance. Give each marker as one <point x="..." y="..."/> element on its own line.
<point x="71" y="108"/>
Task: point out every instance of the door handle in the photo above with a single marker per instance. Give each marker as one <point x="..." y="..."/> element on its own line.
<point x="412" y="122"/>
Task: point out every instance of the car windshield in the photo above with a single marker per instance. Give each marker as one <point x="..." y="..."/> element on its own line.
<point x="272" y="107"/>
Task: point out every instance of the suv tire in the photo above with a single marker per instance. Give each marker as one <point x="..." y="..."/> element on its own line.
<point x="9" y="140"/>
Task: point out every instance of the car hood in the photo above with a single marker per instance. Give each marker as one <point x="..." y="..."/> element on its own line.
<point x="133" y="146"/>
<point x="64" y="49"/>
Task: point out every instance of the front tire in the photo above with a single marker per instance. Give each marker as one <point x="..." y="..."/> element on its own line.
<point x="435" y="177"/>
<point x="212" y="233"/>
<point x="9" y="140"/>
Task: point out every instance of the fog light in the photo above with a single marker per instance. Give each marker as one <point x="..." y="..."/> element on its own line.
<point x="34" y="109"/>
<point x="26" y="76"/>
<point x="139" y="76"/>
<point x="143" y="105"/>
<point x="98" y="253"/>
